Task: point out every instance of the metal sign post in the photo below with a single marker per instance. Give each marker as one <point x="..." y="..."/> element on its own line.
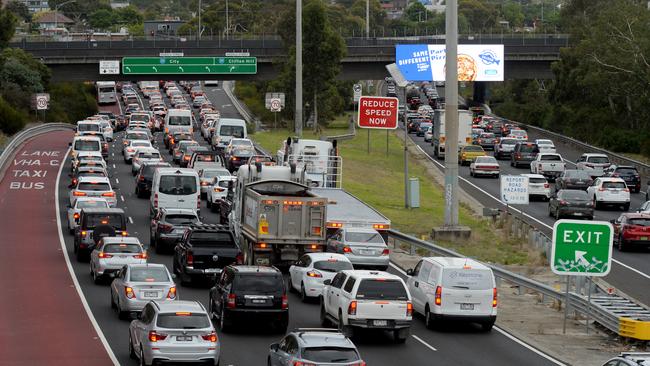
<point x="451" y="114"/>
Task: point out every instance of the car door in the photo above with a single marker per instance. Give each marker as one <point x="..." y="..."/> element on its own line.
<point x="591" y="190"/>
<point x="413" y="284"/>
<point x="94" y="255"/>
<point x="140" y="326"/>
<point x="117" y="283"/>
<point x="298" y="270"/>
<point x="286" y="351"/>
<point x="333" y="298"/>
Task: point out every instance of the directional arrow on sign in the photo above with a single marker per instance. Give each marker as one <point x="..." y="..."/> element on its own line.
<point x="155" y="69"/>
<point x="580" y="257"/>
<point x="207" y="68"/>
<point x="232" y="68"/>
<point x="128" y="69"/>
<point x="181" y="68"/>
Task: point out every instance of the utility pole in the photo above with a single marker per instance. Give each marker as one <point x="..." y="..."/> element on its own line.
<point x="298" y="112"/>
<point x="227" y="20"/>
<point x="198" y="36"/>
<point x="451" y="115"/>
<point x="367" y="18"/>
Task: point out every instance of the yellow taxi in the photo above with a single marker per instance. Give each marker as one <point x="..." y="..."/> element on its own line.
<point x="468" y="153"/>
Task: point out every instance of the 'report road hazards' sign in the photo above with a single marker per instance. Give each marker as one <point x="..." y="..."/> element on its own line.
<point x="378" y="112"/>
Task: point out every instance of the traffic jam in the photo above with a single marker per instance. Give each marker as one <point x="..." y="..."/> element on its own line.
<point x="577" y="190"/>
<point x="267" y="229"/>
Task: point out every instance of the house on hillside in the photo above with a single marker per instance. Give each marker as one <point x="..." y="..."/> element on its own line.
<point x="34" y="6"/>
<point x="53" y="23"/>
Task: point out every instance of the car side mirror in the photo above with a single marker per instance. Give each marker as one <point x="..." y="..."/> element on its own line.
<point x="274" y="347"/>
<point x="327" y="282"/>
<point x="409" y="272"/>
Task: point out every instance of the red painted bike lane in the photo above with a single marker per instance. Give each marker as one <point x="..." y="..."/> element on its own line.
<point x="42" y="318"/>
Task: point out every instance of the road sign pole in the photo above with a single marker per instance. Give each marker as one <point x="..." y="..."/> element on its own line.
<point x="386" y="142"/>
<point x="298" y="113"/>
<point x="589" y="283"/>
<point x="406" y="159"/>
<point x="451" y="115"/>
<point x="275" y="119"/>
<point x="368" y="141"/>
<point x="566" y="304"/>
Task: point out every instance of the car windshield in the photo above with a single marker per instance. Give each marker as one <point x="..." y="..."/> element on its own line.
<point x="470" y="279"/>
<point x="179" y="219"/>
<point x="618" y="185"/>
<point x="598" y="159"/>
<point x="92" y="204"/>
<point x="574" y="195"/>
<point x="550" y="157"/>
<point x="639" y="221"/>
<point x="332" y="265"/>
<point x="259" y="283"/>
<point x="90" y="186"/>
<point x="180" y="121"/>
<point x="178" y="185"/>
<point x="363" y="237"/>
<point x="473" y="148"/>
<point x="213" y="239"/>
<point x="122" y="248"/>
<point x="235" y="131"/>
<point x="528" y="148"/>
<point x="113" y="220"/>
<point x="148" y="274"/>
<point x="330" y="354"/>
<point x="86" y="145"/>
<point x="243" y="151"/>
<point x="381" y="289"/>
<point x="183" y="320"/>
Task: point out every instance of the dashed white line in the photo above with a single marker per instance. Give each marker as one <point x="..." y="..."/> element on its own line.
<point x="114" y="167"/>
<point x="130" y="219"/>
<point x="122" y="198"/>
<point x="117" y="180"/>
<point x="424" y="343"/>
<point x="113" y="154"/>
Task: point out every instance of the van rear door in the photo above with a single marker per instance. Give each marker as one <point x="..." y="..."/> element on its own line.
<point x="467" y="291"/>
<point x="178" y="190"/>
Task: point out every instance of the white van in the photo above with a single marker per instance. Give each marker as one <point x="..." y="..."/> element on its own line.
<point x="85" y="143"/>
<point x="178" y="120"/>
<point x="226" y="129"/>
<point x="446" y="288"/>
<point x="175" y="188"/>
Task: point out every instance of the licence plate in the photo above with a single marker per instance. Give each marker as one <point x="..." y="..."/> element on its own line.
<point x="150" y="294"/>
<point x="259" y="301"/>
<point x="466" y="306"/>
<point x="614" y="192"/>
<point x="184" y="338"/>
<point x="380" y="323"/>
<point x="367" y="252"/>
<point x="211" y="270"/>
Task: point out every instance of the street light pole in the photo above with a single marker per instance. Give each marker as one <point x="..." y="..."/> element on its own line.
<point x="227" y="20"/>
<point x="199" y="32"/>
<point x="451" y="115"/>
<point x="298" y="112"/>
<point x="367" y="18"/>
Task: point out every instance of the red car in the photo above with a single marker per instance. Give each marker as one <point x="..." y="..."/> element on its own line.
<point x="631" y="229"/>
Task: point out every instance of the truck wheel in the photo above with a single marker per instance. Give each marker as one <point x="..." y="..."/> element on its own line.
<point x="428" y="318"/>
<point x="346" y="330"/>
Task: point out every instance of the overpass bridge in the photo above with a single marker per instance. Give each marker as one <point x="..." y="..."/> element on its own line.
<point x="526" y="57"/>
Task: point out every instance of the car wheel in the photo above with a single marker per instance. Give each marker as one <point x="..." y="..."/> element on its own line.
<point x="268" y="361"/>
<point x="303" y="294"/>
<point x="122" y="315"/>
<point x="80" y="256"/>
<point x="132" y="354"/>
<point x="323" y="314"/>
<point x="113" y="306"/>
<point x="224" y="324"/>
<point x="152" y="240"/>
<point x="428" y="319"/>
<point x="142" y="361"/>
<point x="471" y="173"/>
<point x="626" y="207"/>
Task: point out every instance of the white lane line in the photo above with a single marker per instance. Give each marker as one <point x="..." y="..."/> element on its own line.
<point x="424" y="343"/>
<point x="645" y="275"/>
<point x="130" y="219"/>
<point x="226" y="105"/>
<point x="113" y="154"/>
<point x="89" y="312"/>
<point x="117" y="180"/>
<point x="522" y="343"/>
<point x="122" y="198"/>
<point x="114" y="167"/>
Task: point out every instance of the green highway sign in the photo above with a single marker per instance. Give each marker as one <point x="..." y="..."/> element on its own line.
<point x="188" y="65"/>
<point x="582" y="248"/>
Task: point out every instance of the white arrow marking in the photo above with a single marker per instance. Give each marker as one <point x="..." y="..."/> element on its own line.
<point x="128" y="69"/>
<point x="580" y="257"/>
<point x="232" y="68"/>
<point x="181" y="68"/>
<point x="155" y="69"/>
<point x="207" y="68"/>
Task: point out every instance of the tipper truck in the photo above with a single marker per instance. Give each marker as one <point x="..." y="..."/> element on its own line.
<point x="464" y="131"/>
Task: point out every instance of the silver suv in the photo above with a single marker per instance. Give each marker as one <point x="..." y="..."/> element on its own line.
<point x="314" y="347"/>
<point x="177" y="331"/>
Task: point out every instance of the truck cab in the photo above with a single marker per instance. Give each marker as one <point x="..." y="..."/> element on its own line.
<point x="319" y="159"/>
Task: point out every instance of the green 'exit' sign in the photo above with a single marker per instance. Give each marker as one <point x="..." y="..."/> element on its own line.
<point x="582" y="248"/>
<point x="188" y="65"/>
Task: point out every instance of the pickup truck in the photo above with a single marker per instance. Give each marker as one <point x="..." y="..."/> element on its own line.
<point x="550" y="165"/>
<point x="203" y="251"/>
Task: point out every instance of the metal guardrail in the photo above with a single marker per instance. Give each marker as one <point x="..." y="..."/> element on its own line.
<point x="617" y="314"/>
<point x="24" y="135"/>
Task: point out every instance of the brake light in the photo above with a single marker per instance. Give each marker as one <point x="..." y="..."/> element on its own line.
<point x="212" y="337"/>
<point x="409" y="309"/>
<point x="204" y="183"/>
<point x="78" y="194"/>
<point x="494" y="297"/>
<point x="438" y="299"/>
<point x="190" y="258"/>
<point x="218" y="189"/>
<point x="563" y="202"/>
<point x="285" y="301"/>
<point x="75" y="216"/>
<point x="546" y="185"/>
<point x="335" y="225"/>
<point x="74" y="181"/>
<point x="626" y="189"/>
<point x="231" y="301"/>
<point x="142" y="255"/>
<point x="129" y="149"/>
<point x="141" y="178"/>
<point x="83" y="233"/>
<point x="240" y="258"/>
<point x="165" y="227"/>
<point x="172" y="293"/>
<point x="234" y="158"/>
<point x="104" y="255"/>
<point x="155" y="337"/>
<point x="129" y="292"/>
<point x="601" y="189"/>
<point x="108" y="194"/>
<point x="347" y="250"/>
<point x="155" y="200"/>
<point x="352" y="308"/>
<point x="314" y="274"/>
<point x="385" y="252"/>
<point x="186" y="157"/>
<point x="380" y="226"/>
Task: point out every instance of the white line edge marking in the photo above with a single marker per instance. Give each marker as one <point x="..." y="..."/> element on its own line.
<point x="117" y="180"/>
<point x="533" y="349"/>
<point x="645" y="275"/>
<point x="122" y="198"/>
<point x="77" y="287"/>
<point x="424" y="343"/>
<point x="130" y="219"/>
<point x="114" y="167"/>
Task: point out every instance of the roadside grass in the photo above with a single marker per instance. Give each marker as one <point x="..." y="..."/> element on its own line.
<point x="638" y="157"/>
<point x="377" y="178"/>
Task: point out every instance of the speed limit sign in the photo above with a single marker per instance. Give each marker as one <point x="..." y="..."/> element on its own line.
<point x="276" y="105"/>
<point x="40" y="101"/>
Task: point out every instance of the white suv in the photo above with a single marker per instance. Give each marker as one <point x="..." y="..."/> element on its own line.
<point x="594" y="163"/>
<point x="367" y="299"/>
<point x="609" y="190"/>
<point x="446" y="288"/>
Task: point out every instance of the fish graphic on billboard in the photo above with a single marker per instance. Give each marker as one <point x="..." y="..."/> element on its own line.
<point x="488" y="57"/>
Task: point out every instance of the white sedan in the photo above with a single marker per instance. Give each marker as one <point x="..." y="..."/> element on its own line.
<point x="484" y="165"/>
<point x="545" y="146"/>
<point x="308" y="274"/>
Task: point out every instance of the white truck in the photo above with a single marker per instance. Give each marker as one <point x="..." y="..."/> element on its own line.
<point x="464" y="131"/>
<point x="550" y="165"/>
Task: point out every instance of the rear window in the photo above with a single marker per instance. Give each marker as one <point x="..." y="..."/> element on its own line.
<point x="469" y="279"/>
<point x="92" y="204"/>
<point x="536" y="180"/>
<point x="224" y="183"/>
<point x="139" y="118"/>
<point x="93" y="186"/>
<point x="140" y="144"/>
<point x="487" y="135"/>
<point x="332" y="265"/>
<point x="640" y="222"/>
<point x="614" y="185"/>
<point x="508" y="142"/>
<point x="528" y="148"/>
<point x="234" y="131"/>
<point x="91" y="174"/>
<point x="113" y="220"/>
<point x="598" y="159"/>
<point x="574" y="195"/>
<point x="330" y="354"/>
<point x="85" y="145"/>
<point x="259" y="283"/>
<point x="211" y="173"/>
<point x="177" y="185"/>
<point x="370" y="289"/>
<point x="136" y="136"/>
<point x="473" y="148"/>
<point x="577" y="174"/>
<point x="85" y="127"/>
<point x="627" y="171"/>
<point x="212" y="239"/>
<point x="181" y="219"/>
<point x="204" y="157"/>
<point x="122" y="248"/>
<point x="363" y="237"/>
<point x="179" y="121"/>
<point x="148" y="155"/>
<point x="189" y="321"/>
<point x="146" y="274"/>
<point x="551" y="158"/>
<point x="148" y="170"/>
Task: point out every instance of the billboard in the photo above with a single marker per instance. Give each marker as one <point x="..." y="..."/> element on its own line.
<point x="426" y="62"/>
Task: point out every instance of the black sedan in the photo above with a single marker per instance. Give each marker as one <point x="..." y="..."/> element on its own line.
<point x="571" y="202"/>
<point x="573" y="179"/>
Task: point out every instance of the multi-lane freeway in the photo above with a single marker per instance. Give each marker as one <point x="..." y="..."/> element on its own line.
<point x="465" y="345"/>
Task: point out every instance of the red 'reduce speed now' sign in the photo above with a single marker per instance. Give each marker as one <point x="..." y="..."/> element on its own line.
<point x="378" y="112"/>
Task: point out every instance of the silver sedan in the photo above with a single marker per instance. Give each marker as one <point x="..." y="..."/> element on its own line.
<point x="113" y="253"/>
<point x="137" y="284"/>
<point x="364" y="247"/>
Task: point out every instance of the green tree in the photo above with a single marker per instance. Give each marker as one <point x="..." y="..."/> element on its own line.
<point x="416" y="12"/>
<point x="480" y="15"/>
<point x="513" y="13"/>
<point x="102" y="19"/>
<point x="128" y="15"/>
<point x="377" y="14"/>
<point x="19" y="9"/>
<point x="7" y="27"/>
<point x="11" y="120"/>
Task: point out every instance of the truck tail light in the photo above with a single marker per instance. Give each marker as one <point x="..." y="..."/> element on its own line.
<point x="494" y="297"/>
<point x="285" y="301"/>
<point x="438" y="298"/>
<point x="141" y="178"/>
<point x="231" y="304"/>
<point x="352" y="308"/>
<point x="211" y="337"/>
<point x="165" y="228"/>
<point x="347" y="250"/>
<point x="75" y="216"/>
<point x="171" y="294"/>
<point x="409" y="309"/>
<point x="104" y="255"/>
<point x="129" y="292"/>
<point x="155" y="336"/>
<point x="190" y="258"/>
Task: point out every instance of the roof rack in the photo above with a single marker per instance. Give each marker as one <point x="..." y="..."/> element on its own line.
<point x="325" y="330"/>
<point x="209" y="226"/>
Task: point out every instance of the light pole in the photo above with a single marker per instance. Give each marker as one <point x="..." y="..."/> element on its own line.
<point x="227" y="20"/>
<point x="198" y="36"/>
<point x="56" y="12"/>
<point x="451" y="115"/>
<point x="367" y="18"/>
<point x="298" y="112"/>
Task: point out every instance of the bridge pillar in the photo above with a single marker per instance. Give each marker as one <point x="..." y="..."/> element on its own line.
<point x="479" y="93"/>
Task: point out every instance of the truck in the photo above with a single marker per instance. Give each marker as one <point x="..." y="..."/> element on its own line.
<point x="324" y="175"/>
<point x="275" y="216"/>
<point x="464" y="131"/>
<point x="550" y="165"/>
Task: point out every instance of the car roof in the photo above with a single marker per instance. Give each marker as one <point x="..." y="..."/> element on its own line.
<point x="121" y="239"/>
<point x="611" y="179"/>
<point x="322" y="338"/>
<point x="365" y="274"/>
<point x="254" y="269"/>
<point x="94" y="180"/>
<point x="175" y="211"/>
<point x="179" y="305"/>
<point x="594" y="155"/>
<point x="637" y="215"/>
<point x="172" y="170"/>
<point x="146" y="149"/>
<point x="109" y="210"/>
<point x="325" y="256"/>
<point x="456" y="262"/>
<point x="532" y="175"/>
<point x="87" y="137"/>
